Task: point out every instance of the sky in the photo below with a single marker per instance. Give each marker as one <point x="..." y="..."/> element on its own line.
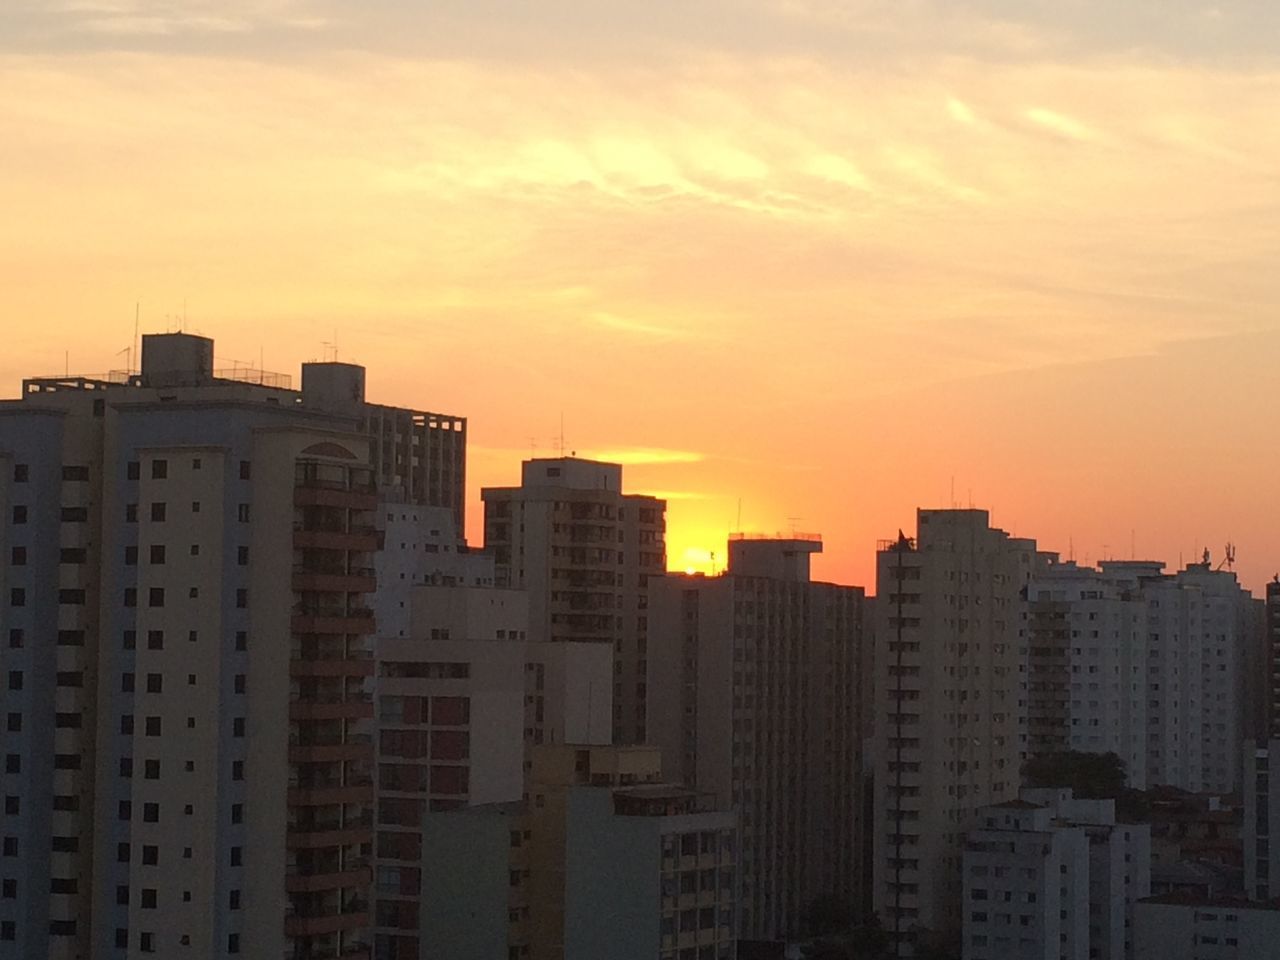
<point x="798" y="264"/>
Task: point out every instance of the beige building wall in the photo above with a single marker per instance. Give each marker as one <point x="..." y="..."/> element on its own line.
<point x="947" y="715"/>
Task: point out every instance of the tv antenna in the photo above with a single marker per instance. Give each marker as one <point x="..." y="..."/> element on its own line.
<point x="1228" y="560"/>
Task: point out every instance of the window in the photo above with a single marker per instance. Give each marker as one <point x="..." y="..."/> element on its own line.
<point x="155" y="597"/>
<point x="242" y="513"/>
<point x="130" y="596"/>
<point x="237" y="727"/>
<point x="237" y="769"/>
<point x="71" y="597"/>
<point x="242" y="598"/>
<point x="15" y="679"/>
<point x="150" y="854"/>
<point x="126" y="767"/>
<point x="242" y="556"/>
<point x="148" y="898"/>
<point x="75" y="555"/>
<point x="129" y="639"/>
<point x="9" y="847"/>
<point x="151" y="813"/>
<point x="19" y="513"/>
<point x="157" y="512"/>
<point x="237" y="813"/>
<point x="18" y="556"/>
<point x="12" y="806"/>
<point x="157" y="553"/>
<point x="147" y="942"/>
<point x="131" y="513"/>
<point x="193" y="593"/>
<point x="235" y="856"/>
<point x="195" y="506"/>
<point x="126" y="723"/>
<point x="195" y="463"/>
<point x="74" y="514"/>
<point x="233" y="943"/>
<point x="16" y="636"/>
<point x="126" y="683"/>
<point x="244" y="469"/>
<point x="239" y="683"/>
<point x="14" y="723"/>
<point x="152" y="726"/>
<point x="69" y="678"/>
<point x="76" y="474"/>
<point x="71" y="638"/>
<point x="18" y="597"/>
<point x="131" y="556"/>
<point x="21" y="473"/>
<point x="159" y="469"/>
<point x="124" y="810"/>
<point x="242" y="640"/>
<point x="155" y="639"/>
<point x="67" y="721"/>
<point x="155" y="683"/>
<point x="123" y="852"/>
<point x="133" y="470"/>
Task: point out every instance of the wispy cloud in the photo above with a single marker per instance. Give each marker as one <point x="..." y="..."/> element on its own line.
<point x="1062" y="125"/>
<point x="640" y="327"/>
<point x="644" y="456"/>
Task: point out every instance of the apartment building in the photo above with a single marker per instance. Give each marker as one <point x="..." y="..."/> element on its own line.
<point x="1261" y="821"/>
<point x="1151" y="666"/>
<point x="1049" y="876"/>
<point x="756" y="681"/>
<point x="1026" y="886"/>
<point x="1204" y="928"/>
<point x="947" y="712"/>
<point x="450" y="712"/>
<point x="585" y="552"/>
<point x="605" y="860"/>
<point x="190" y="557"/>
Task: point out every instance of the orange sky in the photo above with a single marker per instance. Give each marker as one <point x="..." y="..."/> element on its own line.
<point x="829" y="260"/>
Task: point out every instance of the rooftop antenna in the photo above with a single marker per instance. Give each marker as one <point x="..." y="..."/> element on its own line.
<point x="794" y="521"/>
<point x="738" y="528"/>
<point x="953" y="491"/>
<point x="1133" y="544"/>
<point x="561" y="434"/>
<point x="1071" y="548"/>
<point x="1229" y="559"/>
<point x="136" y="355"/>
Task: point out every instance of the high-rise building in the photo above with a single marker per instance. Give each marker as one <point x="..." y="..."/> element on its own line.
<point x="1272" y="627"/>
<point x="1049" y="876"/>
<point x="605" y="860"/>
<point x="1147" y="665"/>
<point x="947" y="714"/>
<point x="186" y="630"/>
<point x="450" y="715"/>
<point x="1222" y="928"/>
<point x="756" y="682"/>
<point x="585" y="552"/>
<point x="1261" y="821"/>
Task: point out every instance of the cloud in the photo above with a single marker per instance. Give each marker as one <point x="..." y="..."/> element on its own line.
<point x="640" y="328"/>
<point x="1062" y="125"/>
<point x="644" y="456"/>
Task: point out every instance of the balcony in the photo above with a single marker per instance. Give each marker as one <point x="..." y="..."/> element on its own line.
<point x="329" y="796"/>
<point x="331" y="752"/>
<point x="308" y="580"/>
<point x="306" y="882"/>
<point x="296" y="926"/>
<point x="349" y="666"/>
<point x="358" y="539"/>
<point x="317" y="708"/>
<point x="324" y="493"/>
<point x="331" y="619"/>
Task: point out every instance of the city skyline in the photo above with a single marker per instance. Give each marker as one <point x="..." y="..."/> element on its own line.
<point x="748" y="248"/>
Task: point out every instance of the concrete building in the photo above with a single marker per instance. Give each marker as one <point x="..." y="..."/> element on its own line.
<point x="450" y="712"/>
<point x="948" y="614"/>
<point x="1271" y="624"/>
<point x="1052" y="876"/>
<point x="585" y="552"/>
<point x="186" y="622"/>
<point x="756" y="682"/>
<point x="1177" y="926"/>
<point x="605" y="860"/>
<point x="1261" y="821"/>
<point x="1150" y="666"/>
